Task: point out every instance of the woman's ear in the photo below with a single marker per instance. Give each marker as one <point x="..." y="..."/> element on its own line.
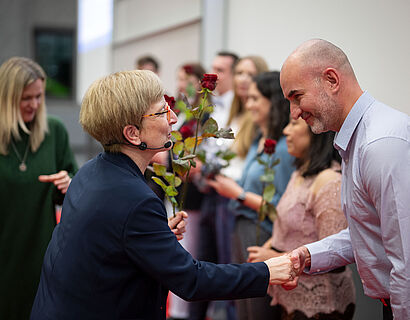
<point x="332" y="78"/>
<point x="131" y="134"/>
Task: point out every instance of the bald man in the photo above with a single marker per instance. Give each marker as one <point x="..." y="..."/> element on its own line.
<point x="373" y="141"/>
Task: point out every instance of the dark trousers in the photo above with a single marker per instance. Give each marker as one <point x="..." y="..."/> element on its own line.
<point x="214" y="245"/>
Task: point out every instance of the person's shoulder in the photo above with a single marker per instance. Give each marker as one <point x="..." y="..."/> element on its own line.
<point x="325" y="178"/>
<point x="55" y="123"/>
<point x="382" y="121"/>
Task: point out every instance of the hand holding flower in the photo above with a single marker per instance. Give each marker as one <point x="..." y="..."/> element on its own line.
<point x="178" y="223"/>
<point x="225" y="186"/>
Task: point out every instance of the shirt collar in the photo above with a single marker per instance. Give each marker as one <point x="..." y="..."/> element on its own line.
<point x="343" y="137"/>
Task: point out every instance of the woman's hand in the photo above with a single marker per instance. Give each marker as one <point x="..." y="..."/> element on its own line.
<point x="281" y="269"/>
<point x="225" y="186"/>
<point x="61" y="180"/>
<point x="259" y="254"/>
<point x="178" y="223"/>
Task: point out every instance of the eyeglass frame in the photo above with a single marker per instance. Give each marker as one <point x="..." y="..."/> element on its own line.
<point x="167" y="111"/>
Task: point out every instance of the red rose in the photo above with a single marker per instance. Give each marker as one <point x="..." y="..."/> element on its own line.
<point x="170" y="101"/>
<point x="209" y="81"/>
<point x="186" y="131"/>
<point x="269" y="146"/>
<point x="188" y="69"/>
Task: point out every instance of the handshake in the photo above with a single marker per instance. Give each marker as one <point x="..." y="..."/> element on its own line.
<point x="286" y="269"/>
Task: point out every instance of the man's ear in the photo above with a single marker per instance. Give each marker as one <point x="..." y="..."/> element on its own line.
<point x="332" y="78"/>
<point x="131" y="134"/>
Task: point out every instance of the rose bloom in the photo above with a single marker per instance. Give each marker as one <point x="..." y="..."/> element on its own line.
<point x="209" y="81"/>
<point x="188" y="69"/>
<point x="269" y="146"/>
<point x="186" y="131"/>
<point x="170" y="101"/>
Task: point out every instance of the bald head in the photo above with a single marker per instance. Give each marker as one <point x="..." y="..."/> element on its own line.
<point x="315" y="55"/>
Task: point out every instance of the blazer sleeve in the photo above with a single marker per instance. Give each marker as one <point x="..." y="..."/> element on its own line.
<point x="153" y="247"/>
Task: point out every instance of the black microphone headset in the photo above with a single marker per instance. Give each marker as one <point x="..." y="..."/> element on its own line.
<point x="142" y="146"/>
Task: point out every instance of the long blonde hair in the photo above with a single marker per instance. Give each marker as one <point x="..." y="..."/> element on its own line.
<point x="16" y="74"/>
<point x="247" y="129"/>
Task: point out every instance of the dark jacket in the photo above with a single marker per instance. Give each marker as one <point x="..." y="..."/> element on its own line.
<point x="113" y="255"/>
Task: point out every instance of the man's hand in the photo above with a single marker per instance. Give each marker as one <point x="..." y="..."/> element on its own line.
<point x="177" y="224"/>
<point x="300" y="259"/>
<point x="259" y="254"/>
<point x="281" y="269"/>
<point x="61" y="180"/>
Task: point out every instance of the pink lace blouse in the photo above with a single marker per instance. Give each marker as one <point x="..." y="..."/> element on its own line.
<point x="305" y="217"/>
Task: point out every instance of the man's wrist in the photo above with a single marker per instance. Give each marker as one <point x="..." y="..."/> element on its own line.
<point x="307" y="257"/>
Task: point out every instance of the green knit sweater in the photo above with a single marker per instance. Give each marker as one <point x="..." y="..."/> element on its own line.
<point x="27" y="216"/>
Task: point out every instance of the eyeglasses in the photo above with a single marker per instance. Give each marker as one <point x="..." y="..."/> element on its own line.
<point x="167" y="111"/>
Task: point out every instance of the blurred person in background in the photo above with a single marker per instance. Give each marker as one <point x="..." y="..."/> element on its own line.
<point x="147" y="62"/>
<point x="36" y="166"/>
<point x="269" y="112"/>
<point x="310" y="210"/>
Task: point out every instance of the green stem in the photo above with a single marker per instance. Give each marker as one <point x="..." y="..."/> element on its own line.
<point x="198" y="121"/>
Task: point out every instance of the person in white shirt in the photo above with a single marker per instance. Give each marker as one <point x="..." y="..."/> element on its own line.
<point x="374" y="143"/>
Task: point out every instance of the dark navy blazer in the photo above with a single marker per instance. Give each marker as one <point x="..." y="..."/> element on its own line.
<point x="113" y="255"/>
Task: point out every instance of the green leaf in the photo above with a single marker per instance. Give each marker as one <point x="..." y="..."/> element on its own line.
<point x="201" y="155"/>
<point x="260" y="161"/>
<point x="276" y="162"/>
<point x="173" y="201"/>
<point x="272" y="213"/>
<point x="262" y="213"/>
<point x="267" y="177"/>
<point x="180" y="166"/>
<point x="188" y="157"/>
<point x="209" y="109"/>
<point x="159" y="169"/>
<point x="196" y="112"/>
<point x="170" y="177"/>
<point x="178" y="147"/>
<point x="269" y="192"/>
<point x="226" y="155"/>
<point x="176" y="136"/>
<point x="192" y="162"/>
<point x="210" y="126"/>
<point x="225" y="133"/>
<point x="189" y="143"/>
<point x="171" y="191"/>
<point x="178" y="182"/>
<point x="160" y="183"/>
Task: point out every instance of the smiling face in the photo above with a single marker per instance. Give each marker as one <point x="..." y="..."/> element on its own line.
<point x="308" y="98"/>
<point x="298" y="138"/>
<point x="245" y="70"/>
<point x="31" y="99"/>
<point x="258" y="105"/>
<point x="156" y="129"/>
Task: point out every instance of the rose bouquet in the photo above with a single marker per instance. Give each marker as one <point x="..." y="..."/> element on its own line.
<point x="186" y="141"/>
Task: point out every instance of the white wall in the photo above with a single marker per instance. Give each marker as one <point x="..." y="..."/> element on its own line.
<point x="168" y="30"/>
<point x="373" y="33"/>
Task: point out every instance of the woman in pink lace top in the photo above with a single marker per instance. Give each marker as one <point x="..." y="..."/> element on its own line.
<point x="310" y="210"/>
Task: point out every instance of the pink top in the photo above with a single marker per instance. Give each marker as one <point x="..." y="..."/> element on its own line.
<point x="305" y="217"/>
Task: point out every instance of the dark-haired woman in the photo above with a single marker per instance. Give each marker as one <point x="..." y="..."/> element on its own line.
<point x="269" y="111"/>
<point x="309" y="210"/>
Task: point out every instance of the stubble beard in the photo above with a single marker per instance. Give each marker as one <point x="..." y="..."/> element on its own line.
<point x="326" y="115"/>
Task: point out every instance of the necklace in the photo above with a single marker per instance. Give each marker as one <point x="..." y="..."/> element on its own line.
<point x="22" y="166"/>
